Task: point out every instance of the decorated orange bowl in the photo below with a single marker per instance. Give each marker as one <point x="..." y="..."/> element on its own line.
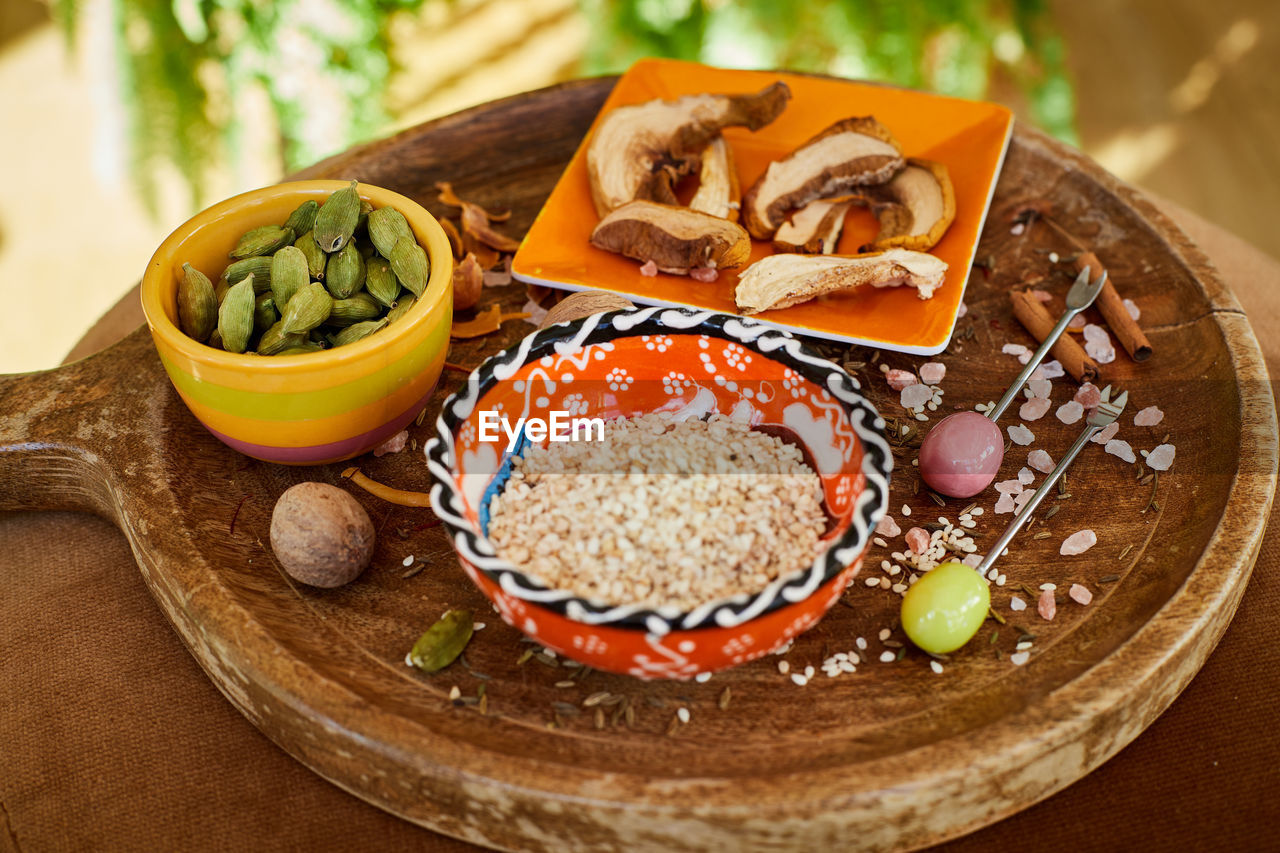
<point x="307" y="408"/>
<point x="687" y="363"/>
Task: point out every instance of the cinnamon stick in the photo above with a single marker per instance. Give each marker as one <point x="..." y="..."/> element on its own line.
<point x="1037" y="320"/>
<point x="1122" y="324"/>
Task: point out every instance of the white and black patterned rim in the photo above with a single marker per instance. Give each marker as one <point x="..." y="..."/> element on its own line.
<point x="568" y="338"/>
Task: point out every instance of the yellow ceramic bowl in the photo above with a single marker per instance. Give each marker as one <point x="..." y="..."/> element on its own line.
<point x="310" y="408"/>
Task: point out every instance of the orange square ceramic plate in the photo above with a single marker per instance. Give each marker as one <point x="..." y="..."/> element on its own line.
<point x="969" y="137"/>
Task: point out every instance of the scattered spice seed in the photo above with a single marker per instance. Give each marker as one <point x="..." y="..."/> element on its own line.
<point x="1109" y="579"/>
<point x="1043" y="534"/>
<point x="421" y="415"/>
<point x="937" y="498"/>
<point x="673" y="726"/>
<point x="417" y="567"/>
<point x="546" y="660"/>
<point x="902" y="652"/>
<point x="599" y="718"/>
<point x="995" y="635"/>
<point x="565" y="709"/>
<point x="454" y="693"/>
<point x="629" y="715"/>
<point x="725" y="695"/>
<point x="483" y="706"/>
<point x="1053" y="510"/>
<point x="996" y="616"/>
<point x="524" y="657"/>
<point x="595" y="699"/>
<point x="564" y="684"/>
<point x="655" y="702"/>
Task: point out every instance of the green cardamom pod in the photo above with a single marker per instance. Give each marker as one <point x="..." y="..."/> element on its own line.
<point x="355" y="309"/>
<point x="215" y="340"/>
<point x="337" y="218"/>
<point x="303" y="218"/>
<point x="409" y="263"/>
<point x="380" y="281"/>
<point x="357" y="331"/>
<point x="386" y="226"/>
<point x="265" y="314"/>
<point x="401" y="307"/>
<point x="301" y="348"/>
<point x="220" y="290"/>
<point x="289" y="273"/>
<point x="275" y="340"/>
<point x="345" y="273"/>
<point x="308" y="308"/>
<point x="442" y="642"/>
<point x="316" y="258"/>
<point x="235" y="317"/>
<point x="362" y="222"/>
<point x="197" y="304"/>
<point x="263" y="241"/>
<point x="258" y="267"/>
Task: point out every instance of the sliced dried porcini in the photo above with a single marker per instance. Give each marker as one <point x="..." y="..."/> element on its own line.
<point x="814" y="228"/>
<point x="915" y="208"/>
<point x="639" y="151"/>
<point x="853" y="152"/>
<point x="677" y="239"/>
<point x="780" y="281"/>
<point x="718" y="190"/>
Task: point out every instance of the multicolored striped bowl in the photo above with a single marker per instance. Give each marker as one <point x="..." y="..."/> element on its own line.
<point x="311" y="408"/>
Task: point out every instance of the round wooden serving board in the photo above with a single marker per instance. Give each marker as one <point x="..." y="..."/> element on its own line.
<point x="894" y="756"/>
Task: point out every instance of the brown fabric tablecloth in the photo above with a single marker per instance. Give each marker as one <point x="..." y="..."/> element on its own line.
<point x="112" y="738"/>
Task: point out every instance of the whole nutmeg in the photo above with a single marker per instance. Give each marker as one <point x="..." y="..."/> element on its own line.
<point x="321" y="535"/>
<point x="584" y="304"/>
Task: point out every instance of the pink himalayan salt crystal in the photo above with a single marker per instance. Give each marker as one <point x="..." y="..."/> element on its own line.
<point x="1078" y="543"/>
<point x="1094" y="332"/>
<point x="1038" y="387"/>
<point x="1050" y="370"/>
<point x="1070" y="412"/>
<point x="1089" y="395"/>
<point x="1077" y="322"/>
<point x="932" y="372"/>
<point x="649" y="268"/>
<point x="1026" y="477"/>
<point x="1103" y="353"/>
<point x="1019" y="434"/>
<point x="1040" y="460"/>
<point x="1132" y="308"/>
<point x="705" y="274"/>
<point x="1043" y="295"/>
<point x="1047" y="606"/>
<point x="1020" y="500"/>
<point x="972" y="559"/>
<point x="1017" y="605"/>
<point x="915" y="396"/>
<point x="1009" y="487"/>
<point x="899" y="379"/>
<point x="1161" y="458"/>
<point x="1120" y="448"/>
<point x="1017" y="229"/>
<point x="964" y="309"/>
<point x="393" y="445"/>
<point x="1034" y="409"/>
<point x="917" y="540"/>
<point x="888" y="527"/>
<point x="1014" y="349"/>
<point x="1080" y="594"/>
<point x="1107" y="433"/>
<point x="1005" y="504"/>
<point x="1150" y="416"/>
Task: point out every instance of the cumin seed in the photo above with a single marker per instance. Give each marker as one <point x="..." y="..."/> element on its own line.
<point x="1043" y="534"/>
<point x="1053" y="510"/>
<point x="1109" y="579"/>
<point x="725" y="695"/>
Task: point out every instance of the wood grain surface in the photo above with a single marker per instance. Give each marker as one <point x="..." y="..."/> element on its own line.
<point x="892" y="757"/>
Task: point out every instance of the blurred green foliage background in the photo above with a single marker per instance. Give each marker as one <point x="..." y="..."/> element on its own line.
<point x="183" y="66"/>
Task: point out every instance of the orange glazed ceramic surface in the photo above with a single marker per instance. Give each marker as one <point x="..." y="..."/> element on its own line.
<point x="315" y="407"/>
<point x="968" y="137"/>
<point x="690" y="364"/>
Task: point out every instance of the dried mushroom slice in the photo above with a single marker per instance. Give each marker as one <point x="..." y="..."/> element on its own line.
<point x="718" y="191"/>
<point x="780" y="281"/>
<point x="639" y="151"/>
<point x="814" y="228"/>
<point x="853" y="152"/>
<point x="915" y="208"/>
<point x="675" y="239"/>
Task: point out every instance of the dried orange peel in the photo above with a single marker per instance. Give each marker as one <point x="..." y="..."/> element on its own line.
<point x="486" y="322"/>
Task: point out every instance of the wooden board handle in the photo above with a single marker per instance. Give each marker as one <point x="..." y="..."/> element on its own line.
<point x="63" y="432"/>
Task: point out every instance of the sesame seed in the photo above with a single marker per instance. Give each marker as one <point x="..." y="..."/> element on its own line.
<point x="1023" y="646"/>
<point x="702" y="677"/>
<point x="784" y="667"/>
<point x="1016" y="604"/>
<point x="407" y="561"/>
<point x="808" y="672"/>
<point x="935" y="666"/>
<point x="1049" y="586"/>
<point x="1000" y="579"/>
<point x="880" y="542"/>
<point x="885" y="633"/>
<point x="454" y="693"/>
<point x="884" y="583"/>
<point x="906" y="510"/>
<point x="799" y="679"/>
<point x="683" y="714"/>
<point x="887" y="657"/>
<point x="847" y="666"/>
<point x="1019" y="658"/>
<point x="478" y="626"/>
<point x="860" y="643"/>
<point x="872" y="581"/>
